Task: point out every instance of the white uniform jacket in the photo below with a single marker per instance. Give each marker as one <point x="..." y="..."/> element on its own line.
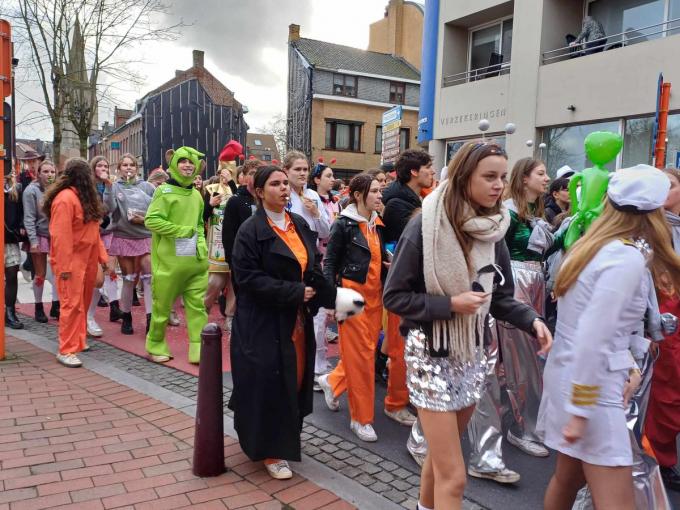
<point x="598" y="320"/>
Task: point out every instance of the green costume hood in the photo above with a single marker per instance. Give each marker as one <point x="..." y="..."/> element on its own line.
<point x="192" y="155"/>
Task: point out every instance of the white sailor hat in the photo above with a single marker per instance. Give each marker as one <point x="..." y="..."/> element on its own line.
<point x="565" y="171"/>
<point x="639" y="189"/>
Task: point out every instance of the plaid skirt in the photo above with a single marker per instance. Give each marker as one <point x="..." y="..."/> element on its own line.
<point x="106" y="239"/>
<point x="121" y="247"/>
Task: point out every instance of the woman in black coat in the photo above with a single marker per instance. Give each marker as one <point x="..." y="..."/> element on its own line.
<point x="280" y="287"/>
<point x="14" y="235"/>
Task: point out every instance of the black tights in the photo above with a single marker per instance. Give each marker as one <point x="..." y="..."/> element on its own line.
<point x="11" y="285"/>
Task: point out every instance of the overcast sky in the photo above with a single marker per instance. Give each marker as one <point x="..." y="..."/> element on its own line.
<point x="245" y="44"/>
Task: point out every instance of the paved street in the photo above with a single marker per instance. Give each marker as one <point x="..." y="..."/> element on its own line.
<point x="383" y="470"/>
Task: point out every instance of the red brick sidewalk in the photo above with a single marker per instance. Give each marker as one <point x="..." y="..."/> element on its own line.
<point x="70" y="438"/>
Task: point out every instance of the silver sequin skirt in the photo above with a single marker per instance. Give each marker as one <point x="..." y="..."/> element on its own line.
<point x="442" y="384"/>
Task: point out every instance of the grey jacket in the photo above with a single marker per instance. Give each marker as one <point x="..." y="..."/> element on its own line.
<point x="405" y="293"/>
<point x="122" y="196"/>
<point x="591" y="30"/>
<point x="35" y="221"/>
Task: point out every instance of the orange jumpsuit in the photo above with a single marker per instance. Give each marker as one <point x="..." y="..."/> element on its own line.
<point x="295" y="244"/>
<point x="355" y="373"/>
<point x="75" y="248"/>
<point x="397" y="392"/>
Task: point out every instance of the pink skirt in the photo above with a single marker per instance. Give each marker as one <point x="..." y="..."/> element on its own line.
<point x="106" y="239"/>
<point x="121" y="247"/>
<point x="43" y="244"/>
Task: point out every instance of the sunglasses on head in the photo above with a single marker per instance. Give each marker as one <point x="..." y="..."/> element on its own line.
<point x="491" y="268"/>
<point x="495" y="150"/>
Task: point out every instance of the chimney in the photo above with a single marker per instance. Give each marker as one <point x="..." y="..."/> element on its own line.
<point x="198" y="58"/>
<point x="178" y="73"/>
<point x="293" y="32"/>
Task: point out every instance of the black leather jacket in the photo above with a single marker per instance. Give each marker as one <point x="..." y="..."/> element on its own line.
<point x="347" y="254"/>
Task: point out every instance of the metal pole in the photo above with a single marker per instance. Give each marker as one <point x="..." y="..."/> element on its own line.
<point x="209" y="437"/>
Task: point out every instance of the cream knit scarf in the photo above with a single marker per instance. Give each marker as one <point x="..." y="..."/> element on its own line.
<point x="447" y="274"/>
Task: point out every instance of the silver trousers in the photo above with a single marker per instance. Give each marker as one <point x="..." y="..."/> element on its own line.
<point x="523" y="369"/>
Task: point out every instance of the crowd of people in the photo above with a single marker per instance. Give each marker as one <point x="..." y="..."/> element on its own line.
<point x="458" y="282"/>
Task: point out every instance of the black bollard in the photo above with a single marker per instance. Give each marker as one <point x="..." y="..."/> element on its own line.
<point x="209" y="437"/>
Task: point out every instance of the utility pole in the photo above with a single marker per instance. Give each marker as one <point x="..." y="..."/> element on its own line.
<point x="5" y="149"/>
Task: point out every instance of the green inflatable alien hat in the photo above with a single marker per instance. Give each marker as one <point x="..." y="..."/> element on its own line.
<point x="186" y="153"/>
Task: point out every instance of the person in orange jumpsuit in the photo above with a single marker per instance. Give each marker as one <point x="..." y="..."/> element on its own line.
<point x="355" y="259"/>
<point x="74" y="211"/>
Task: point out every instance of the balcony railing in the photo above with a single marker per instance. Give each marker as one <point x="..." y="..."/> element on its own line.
<point x="476" y="74"/>
<point x="614" y="41"/>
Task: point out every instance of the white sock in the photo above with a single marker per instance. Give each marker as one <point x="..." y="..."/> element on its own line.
<point x="421" y="507"/>
<point x="110" y="288"/>
<point x="148" y="298"/>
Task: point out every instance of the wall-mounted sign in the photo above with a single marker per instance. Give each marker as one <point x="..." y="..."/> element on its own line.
<point x="464" y="118"/>
<point x="115" y="146"/>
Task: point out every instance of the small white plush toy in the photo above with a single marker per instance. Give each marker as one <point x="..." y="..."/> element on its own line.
<point x="348" y="303"/>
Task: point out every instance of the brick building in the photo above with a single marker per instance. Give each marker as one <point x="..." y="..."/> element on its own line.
<point x="337" y="94"/>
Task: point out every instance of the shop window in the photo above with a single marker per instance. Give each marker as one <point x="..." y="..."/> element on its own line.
<point x="343" y="136"/>
<point x="565" y="145"/>
<point x="344" y="85"/>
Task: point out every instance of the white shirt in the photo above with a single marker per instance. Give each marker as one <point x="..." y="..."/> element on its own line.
<point x="320" y="225"/>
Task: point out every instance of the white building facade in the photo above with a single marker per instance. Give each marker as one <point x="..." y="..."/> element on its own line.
<point x="510" y="62"/>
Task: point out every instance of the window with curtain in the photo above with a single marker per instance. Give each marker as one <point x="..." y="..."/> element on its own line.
<point x="343" y="136"/>
<point x="565" y="145"/>
<point x="397" y="93"/>
<point x="344" y="85"/>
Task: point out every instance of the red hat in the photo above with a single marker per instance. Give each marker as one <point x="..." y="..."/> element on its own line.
<point x="231" y="151"/>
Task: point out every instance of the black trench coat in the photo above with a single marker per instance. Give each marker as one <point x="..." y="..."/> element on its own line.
<point x="268" y="409"/>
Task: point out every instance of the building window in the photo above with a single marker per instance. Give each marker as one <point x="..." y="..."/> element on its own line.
<point x="397" y="93"/>
<point x="404" y="139"/>
<point x="378" y="139"/>
<point x="454" y="146"/>
<point x="490" y="49"/>
<point x="266" y="157"/>
<point x="343" y="136"/>
<point x="629" y="16"/>
<point x="565" y="145"/>
<point x="344" y="85"/>
<point x="258" y="142"/>
<point x="638" y="141"/>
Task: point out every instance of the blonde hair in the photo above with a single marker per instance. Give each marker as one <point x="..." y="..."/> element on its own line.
<point x="12" y="187"/>
<point x="516" y="191"/>
<point x="612" y="225"/>
<point x="291" y="157"/>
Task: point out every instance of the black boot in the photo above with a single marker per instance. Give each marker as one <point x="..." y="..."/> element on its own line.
<point x="11" y="319"/>
<point x="135" y="299"/>
<point x="40" y="313"/>
<point x="114" y="311"/>
<point x="126" y="325"/>
<point x="148" y="321"/>
<point x="670" y="477"/>
<point x="102" y="303"/>
<point x="54" y="311"/>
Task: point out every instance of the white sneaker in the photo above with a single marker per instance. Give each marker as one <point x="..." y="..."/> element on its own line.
<point x="69" y="360"/>
<point x="331" y="401"/>
<point x="505" y="475"/>
<point x="527" y="446"/>
<point x="363" y="432"/>
<point x="174" y="319"/>
<point x="93" y="329"/>
<point x="160" y="358"/>
<point x="402" y="416"/>
<point x="227" y="323"/>
<point x="279" y="470"/>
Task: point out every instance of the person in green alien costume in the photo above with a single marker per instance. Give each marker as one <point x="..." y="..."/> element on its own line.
<point x="179" y="254"/>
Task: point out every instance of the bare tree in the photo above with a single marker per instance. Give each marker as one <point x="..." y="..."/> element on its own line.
<point x="76" y="44"/>
<point x="277" y="127"/>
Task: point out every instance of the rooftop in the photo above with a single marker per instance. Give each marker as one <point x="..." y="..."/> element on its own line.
<point x="336" y="57"/>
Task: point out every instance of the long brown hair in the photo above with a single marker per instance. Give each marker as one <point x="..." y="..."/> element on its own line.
<point x="516" y="191"/>
<point x="93" y="164"/>
<point x="612" y="225"/>
<point x="457" y="196"/>
<point x="12" y="187"/>
<point x="76" y="174"/>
